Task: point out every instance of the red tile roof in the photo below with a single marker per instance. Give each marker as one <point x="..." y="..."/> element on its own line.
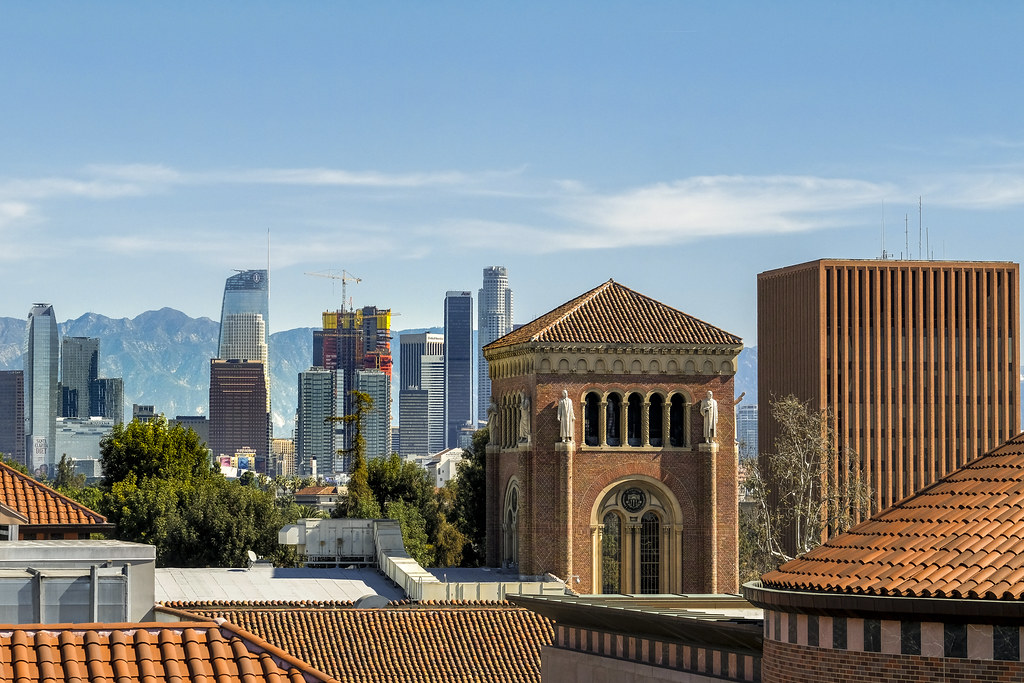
<point x="446" y="642"/>
<point x="317" y="491"/>
<point x="41" y="504"/>
<point x="189" y="651"/>
<point x="961" y="537"/>
<point x="614" y="314"/>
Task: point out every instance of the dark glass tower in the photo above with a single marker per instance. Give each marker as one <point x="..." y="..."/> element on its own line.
<point x="79" y="368"/>
<point x="458" y="364"/>
<point x="42" y="399"/>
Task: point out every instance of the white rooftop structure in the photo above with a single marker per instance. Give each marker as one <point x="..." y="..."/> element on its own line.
<point x="265" y="582"/>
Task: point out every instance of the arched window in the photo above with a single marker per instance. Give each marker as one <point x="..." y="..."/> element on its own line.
<point x="591" y="420"/>
<point x="677" y="421"/>
<point x="613" y="427"/>
<point x="611" y="554"/>
<point x="634" y="420"/>
<point x="656" y="418"/>
<point x="650" y="553"/>
<point x="510" y="549"/>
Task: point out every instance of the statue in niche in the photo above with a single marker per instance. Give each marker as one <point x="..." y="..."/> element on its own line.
<point x="566" y="417"/>
<point x="492" y="419"/>
<point x="524" y="419"/>
<point x="709" y="409"/>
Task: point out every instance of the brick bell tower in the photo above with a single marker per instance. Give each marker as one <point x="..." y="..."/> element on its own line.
<point x="611" y="461"/>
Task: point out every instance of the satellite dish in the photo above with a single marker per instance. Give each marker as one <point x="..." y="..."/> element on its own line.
<point x="252" y="557"/>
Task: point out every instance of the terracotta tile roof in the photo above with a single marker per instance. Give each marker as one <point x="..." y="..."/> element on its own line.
<point x="961" y="537"/>
<point x="427" y="642"/>
<point x="317" y="491"/>
<point x="41" y="504"/>
<point x="614" y="314"/>
<point x="187" y="651"/>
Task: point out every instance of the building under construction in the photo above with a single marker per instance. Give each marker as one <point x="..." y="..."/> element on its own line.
<point x="358" y="345"/>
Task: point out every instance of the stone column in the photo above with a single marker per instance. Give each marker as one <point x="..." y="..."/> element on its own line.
<point x="666" y="423"/>
<point x="565" y="450"/>
<point x="633" y="578"/>
<point x="602" y="424"/>
<point x="596" y="557"/>
<point x="645" y="424"/>
<point x="709" y="520"/>
<point x="624" y="422"/>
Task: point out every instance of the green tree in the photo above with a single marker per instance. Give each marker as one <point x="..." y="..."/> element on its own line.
<point x="414" y="531"/>
<point x="359" y="503"/>
<point x="804" y="489"/>
<point x="6" y="459"/>
<point x="469" y="509"/>
<point x="66" y="477"/>
<point x="152" y="449"/>
<point x="160" y="489"/>
<point x="393" y="478"/>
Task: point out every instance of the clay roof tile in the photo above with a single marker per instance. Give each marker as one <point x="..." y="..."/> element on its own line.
<point x="962" y="536"/>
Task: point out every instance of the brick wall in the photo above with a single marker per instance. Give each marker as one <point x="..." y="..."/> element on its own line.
<point x="789" y="663"/>
<point x="556" y="536"/>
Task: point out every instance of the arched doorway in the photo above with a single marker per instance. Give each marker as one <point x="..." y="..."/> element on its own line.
<point x="637" y="540"/>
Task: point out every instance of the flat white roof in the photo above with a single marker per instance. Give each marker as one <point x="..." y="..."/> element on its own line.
<point x="264" y="582"/>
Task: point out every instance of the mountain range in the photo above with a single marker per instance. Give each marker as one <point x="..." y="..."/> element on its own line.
<point x="164" y="358"/>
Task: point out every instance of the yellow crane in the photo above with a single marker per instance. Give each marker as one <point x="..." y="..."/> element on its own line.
<point x="345" y="278"/>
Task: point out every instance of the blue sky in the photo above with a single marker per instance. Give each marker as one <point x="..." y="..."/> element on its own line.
<point x="680" y="148"/>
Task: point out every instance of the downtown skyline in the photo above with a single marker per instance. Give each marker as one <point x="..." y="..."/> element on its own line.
<point x="678" y="148"/>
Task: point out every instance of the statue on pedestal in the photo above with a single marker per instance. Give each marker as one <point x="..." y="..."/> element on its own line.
<point x="709" y="409"/>
<point x="524" y="419"/>
<point x="566" y="417"/>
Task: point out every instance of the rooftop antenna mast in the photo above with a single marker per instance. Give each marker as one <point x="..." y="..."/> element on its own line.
<point x="920" y="223"/>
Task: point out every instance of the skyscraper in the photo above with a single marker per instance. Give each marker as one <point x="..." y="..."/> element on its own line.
<point x="106" y="398"/>
<point x="458" y="364"/>
<point x="12" y="414"/>
<point x="42" y="399"/>
<point x="917" y="361"/>
<point x="376" y="427"/>
<point x="351" y="341"/>
<point x="238" y="417"/>
<point x="243" y="338"/>
<point x="79" y="367"/>
<point x="494" y="320"/>
<point x="314" y="436"/>
<point x="746" y="430"/>
<point x="248" y="291"/>
<point x="422" y="369"/>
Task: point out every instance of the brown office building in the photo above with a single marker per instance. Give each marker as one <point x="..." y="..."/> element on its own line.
<point x="918" y="361"/>
<point x="238" y="409"/>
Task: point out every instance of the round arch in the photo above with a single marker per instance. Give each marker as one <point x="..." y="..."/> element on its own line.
<point x="642" y="551"/>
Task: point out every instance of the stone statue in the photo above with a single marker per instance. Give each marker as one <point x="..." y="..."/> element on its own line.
<point x="492" y="419"/>
<point x="709" y="409"/>
<point x="524" y="419"/>
<point x="566" y="416"/>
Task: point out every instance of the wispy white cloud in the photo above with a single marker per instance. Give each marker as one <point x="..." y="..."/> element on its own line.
<point x="977" y="190"/>
<point x="12" y="211"/>
<point x="683" y="210"/>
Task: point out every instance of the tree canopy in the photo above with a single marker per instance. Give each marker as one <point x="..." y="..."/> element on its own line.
<point x="160" y="488"/>
<point x="804" y="489"/>
<point x="152" y="449"/>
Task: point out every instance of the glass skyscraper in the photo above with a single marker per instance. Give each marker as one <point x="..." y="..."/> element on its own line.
<point x="458" y="364"/>
<point x="79" y="367"/>
<point x="244" y="321"/>
<point x="42" y="399"/>
<point x="494" y="321"/>
<point x="248" y="291"/>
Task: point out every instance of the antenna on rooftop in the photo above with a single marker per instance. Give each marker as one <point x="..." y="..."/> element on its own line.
<point x="883" y="229"/>
<point x="906" y="232"/>
<point x="920" y="223"/>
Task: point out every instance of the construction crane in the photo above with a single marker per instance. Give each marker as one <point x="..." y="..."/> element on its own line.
<point x="345" y="278"/>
